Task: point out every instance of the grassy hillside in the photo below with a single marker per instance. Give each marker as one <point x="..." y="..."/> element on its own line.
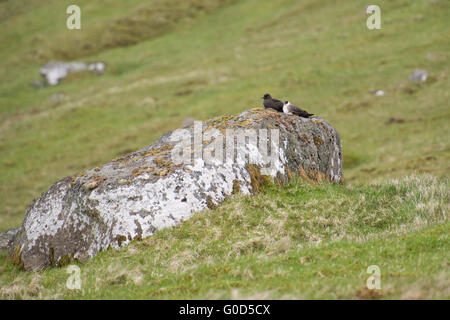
<point x="169" y="60"/>
<point x="301" y="241"/>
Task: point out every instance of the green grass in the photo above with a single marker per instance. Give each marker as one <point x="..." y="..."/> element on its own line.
<point x="209" y="58"/>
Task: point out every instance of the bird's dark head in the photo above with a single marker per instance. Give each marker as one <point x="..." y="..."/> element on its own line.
<point x="286" y="102"/>
<point x="267" y="96"/>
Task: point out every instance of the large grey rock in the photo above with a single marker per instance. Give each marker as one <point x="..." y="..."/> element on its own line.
<point x="6" y="238"/>
<point x="133" y="196"/>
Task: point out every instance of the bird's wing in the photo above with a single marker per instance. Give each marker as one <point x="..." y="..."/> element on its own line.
<point x="277" y="101"/>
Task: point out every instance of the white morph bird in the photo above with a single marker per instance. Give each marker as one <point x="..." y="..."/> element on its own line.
<point x="290" y="109"/>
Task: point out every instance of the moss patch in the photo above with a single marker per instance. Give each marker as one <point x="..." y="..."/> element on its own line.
<point x="317" y="140"/>
<point x="236" y="187"/>
<point x="120" y="239"/>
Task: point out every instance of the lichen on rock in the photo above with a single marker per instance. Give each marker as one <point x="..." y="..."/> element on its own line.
<point x="150" y="189"/>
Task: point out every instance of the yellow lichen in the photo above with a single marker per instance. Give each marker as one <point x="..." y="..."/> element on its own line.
<point x="317" y="141"/>
<point x="163" y="173"/>
<point x="211" y="205"/>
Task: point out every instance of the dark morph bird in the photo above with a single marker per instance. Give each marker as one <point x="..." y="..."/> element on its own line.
<point x="291" y="109"/>
<point x="272" y="103"/>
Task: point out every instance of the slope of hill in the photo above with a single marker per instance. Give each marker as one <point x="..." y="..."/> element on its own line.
<point x="212" y="57"/>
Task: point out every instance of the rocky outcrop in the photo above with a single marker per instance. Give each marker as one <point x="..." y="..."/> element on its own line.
<point x="185" y="171"/>
<point x="54" y="72"/>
